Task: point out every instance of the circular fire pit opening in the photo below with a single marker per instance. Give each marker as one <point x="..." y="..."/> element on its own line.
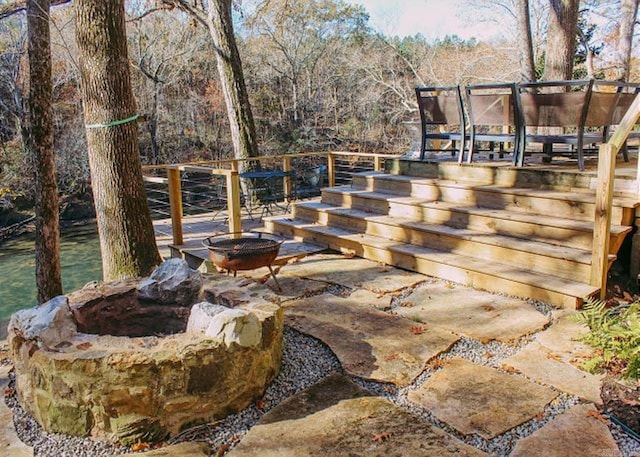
<point x="98" y="363"/>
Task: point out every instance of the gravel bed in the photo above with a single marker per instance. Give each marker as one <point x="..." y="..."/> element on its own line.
<point x="307" y="360"/>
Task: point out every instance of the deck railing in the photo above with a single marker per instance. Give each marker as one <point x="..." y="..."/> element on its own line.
<point x="604" y="196"/>
<point x="340" y="166"/>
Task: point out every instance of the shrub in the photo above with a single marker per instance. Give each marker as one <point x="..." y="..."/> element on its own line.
<point x="615" y="333"/>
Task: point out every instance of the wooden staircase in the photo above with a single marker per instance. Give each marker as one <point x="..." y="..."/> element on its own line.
<point x="523" y="241"/>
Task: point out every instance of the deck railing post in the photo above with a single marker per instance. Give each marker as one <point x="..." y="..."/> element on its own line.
<point x="175" y="204"/>
<point x="331" y="169"/>
<point x="288" y="183"/>
<point x="377" y="163"/>
<point x="602" y="217"/>
<point x="233" y="201"/>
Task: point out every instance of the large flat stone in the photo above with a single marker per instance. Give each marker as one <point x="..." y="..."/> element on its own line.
<point x="576" y="433"/>
<point x="10" y="444"/>
<point x="353" y="272"/>
<point x="335" y="417"/>
<point x="476" y="399"/>
<point x="543" y="366"/>
<point x="472" y="313"/>
<point x="563" y="338"/>
<point x="369" y="343"/>
<point x="193" y="449"/>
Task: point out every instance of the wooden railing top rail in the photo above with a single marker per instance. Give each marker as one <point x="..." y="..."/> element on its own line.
<point x="373" y="155"/>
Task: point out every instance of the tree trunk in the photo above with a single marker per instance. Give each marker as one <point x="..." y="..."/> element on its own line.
<point x="152" y="125"/>
<point x="628" y="13"/>
<point x="525" y="42"/>
<point x="561" y="40"/>
<point x="236" y="97"/>
<point x="48" y="277"/>
<point x="127" y="240"/>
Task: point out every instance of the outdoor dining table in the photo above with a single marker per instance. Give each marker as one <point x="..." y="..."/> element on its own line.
<point x="264" y="190"/>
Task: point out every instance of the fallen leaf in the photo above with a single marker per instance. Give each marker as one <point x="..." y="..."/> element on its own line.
<point x="418" y="329"/>
<point x="222" y="449"/>
<point x="407" y="304"/>
<point x="380" y="437"/>
<point x="488" y="355"/>
<point x="345" y="293"/>
<point x="83" y="346"/>
<point x="552" y="356"/>
<point x="9" y="391"/>
<point x="438" y="363"/>
<point x="510" y="369"/>
<point x="260" y="404"/>
<point x="140" y="446"/>
<point x="450" y="285"/>
<point x="391" y="356"/>
<point x="596" y="415"/>
<point x="488" y="307"/>
<point x="389" y="389"/>
<point x="627" y="296"/>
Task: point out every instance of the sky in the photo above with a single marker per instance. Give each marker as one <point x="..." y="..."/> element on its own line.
<point x="432" y="18"/>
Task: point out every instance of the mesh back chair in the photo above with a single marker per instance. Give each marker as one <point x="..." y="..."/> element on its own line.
<point x="493" y="116"/>
<point x="441" y="117"/>
<point x="562" y="104"/>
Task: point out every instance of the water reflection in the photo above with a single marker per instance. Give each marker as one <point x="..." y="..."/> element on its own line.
<point x="79" y="255"/>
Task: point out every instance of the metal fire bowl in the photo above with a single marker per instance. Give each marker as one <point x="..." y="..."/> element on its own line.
<point x="242" y="250"/>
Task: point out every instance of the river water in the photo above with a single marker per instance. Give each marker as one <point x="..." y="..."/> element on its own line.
<point x="79" y="256"/>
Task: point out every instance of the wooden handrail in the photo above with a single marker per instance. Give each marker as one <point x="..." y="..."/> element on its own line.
<point x="604" y="196"/>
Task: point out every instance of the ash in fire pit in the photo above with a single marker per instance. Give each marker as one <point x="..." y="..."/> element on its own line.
<point x="97" y="363"/>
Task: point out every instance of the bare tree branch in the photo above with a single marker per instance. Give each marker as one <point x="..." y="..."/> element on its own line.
<point x="18" y="6"/>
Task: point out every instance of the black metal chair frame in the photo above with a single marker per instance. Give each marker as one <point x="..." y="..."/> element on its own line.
<point x="434" y="104"/>
<point x="492" y="105"/>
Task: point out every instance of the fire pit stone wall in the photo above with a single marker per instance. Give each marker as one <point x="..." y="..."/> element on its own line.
<point x="76" y="379"/>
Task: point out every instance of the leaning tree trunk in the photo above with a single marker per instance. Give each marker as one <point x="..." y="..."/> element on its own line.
<point x="525" y="42"/>
<point x="561" y="40"/>
<point x="628" y="13"/>
<point x="236" y="97"/>
<point x="127" y="241"/>
<point x="48" y="277"/>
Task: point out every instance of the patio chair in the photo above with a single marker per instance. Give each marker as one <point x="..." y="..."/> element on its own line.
<point x="493" y="117"/>
<point x="442" y="118"/>
<point x="555" y="104"/>
<point x="610" y="101"/>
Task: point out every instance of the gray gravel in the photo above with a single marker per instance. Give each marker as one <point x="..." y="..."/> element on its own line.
<point x="306" y="361"/>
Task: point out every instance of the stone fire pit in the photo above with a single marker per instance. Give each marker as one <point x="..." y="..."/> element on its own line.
<point x="131" y="361"/>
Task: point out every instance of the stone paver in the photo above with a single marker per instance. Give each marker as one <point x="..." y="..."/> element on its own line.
<point x="192" y="449"/>
<point x="543" y="366"/>
<point x="353" y="272"/>
<point x="562" y="337"/>
<point x="10" y="444"/>
<point x="473" y="313"/>
<point x="335" y="417"/>
<point x="476" y="399"/>
<point x="369" y="343"/>
<point x="578" y="432"/>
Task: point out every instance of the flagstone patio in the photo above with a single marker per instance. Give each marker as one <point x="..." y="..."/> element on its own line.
<point x="406" y="385"/>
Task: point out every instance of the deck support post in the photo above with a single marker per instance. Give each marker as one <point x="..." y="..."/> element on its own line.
<point x="377" y="163"/>
<point x="288" y="183"/>
<point x="233" y="201"/>
<point x="175" y="204"/>
<point x="331" y="169"/>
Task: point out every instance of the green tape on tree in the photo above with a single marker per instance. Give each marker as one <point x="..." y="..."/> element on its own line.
<point x="112" y="123"/>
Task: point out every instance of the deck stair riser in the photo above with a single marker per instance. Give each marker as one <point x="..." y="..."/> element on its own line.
<point x="569" y="263"/>
<point x="578" y="205"/>
<point x="550" y="229"/>
<point x="450" y="266"/>
<point x="522" y="240"/>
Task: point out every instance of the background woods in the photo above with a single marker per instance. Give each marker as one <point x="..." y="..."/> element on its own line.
<point x="317" y="77"/>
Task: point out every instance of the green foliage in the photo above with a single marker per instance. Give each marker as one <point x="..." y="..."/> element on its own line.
<point x="615" y="333"/>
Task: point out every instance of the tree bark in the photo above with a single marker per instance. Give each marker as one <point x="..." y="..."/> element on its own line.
<point x="628" y="13"/>
<point x="561" y="40"/>
<point x="127" y="240"/>
<point x="48" y="276"/>
<point x="525" y="42"/>
<point x="236" y="97"/>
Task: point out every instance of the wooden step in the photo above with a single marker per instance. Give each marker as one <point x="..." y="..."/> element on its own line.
<point x="546" y="228"/>
<point x="447" y="265"/>
<point x="578" y="204"/>
<point x="563" y="261"/>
